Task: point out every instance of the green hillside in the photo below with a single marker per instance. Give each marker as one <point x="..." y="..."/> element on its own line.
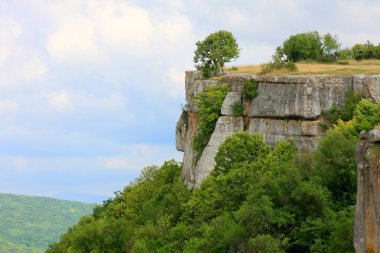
<point x="29" y="224"/>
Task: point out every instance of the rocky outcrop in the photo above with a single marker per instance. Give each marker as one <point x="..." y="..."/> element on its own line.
<point x="304" y="132"/>
<point x="367" y="213"/>
<point x="226" y="126"/>
<point x="287" y="107"/>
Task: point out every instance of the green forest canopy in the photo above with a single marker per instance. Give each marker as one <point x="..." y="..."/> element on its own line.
<point x="258" y="199"/>
<point x="28" y="224"/>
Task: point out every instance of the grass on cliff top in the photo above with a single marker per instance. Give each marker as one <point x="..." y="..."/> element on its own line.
<point x="351" y="67"/>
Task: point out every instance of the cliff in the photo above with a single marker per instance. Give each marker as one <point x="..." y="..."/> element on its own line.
<point x="367" y="214"/>
<point x="287" y="107"/>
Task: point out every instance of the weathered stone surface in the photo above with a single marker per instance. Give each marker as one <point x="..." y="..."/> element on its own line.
<point x="229" y="101"/>
<point x="297" y="100"/>
<point x="371" y="88"/>
<point x="367" y="213"/>
<point x="188" y="155"/>
<point x="304" y="133"/>
<point x="193" y="86"/>
<point x="287" y="107"/>
<point x="374" y="136"/>
<point x="235" y="81"/>
<point x="226" y="126"/>
<point x="180" y="132"/>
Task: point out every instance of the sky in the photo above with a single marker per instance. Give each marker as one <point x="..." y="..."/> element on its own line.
<point x="90" y="90"/>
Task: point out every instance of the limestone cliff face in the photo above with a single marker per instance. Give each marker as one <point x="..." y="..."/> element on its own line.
<point x="287" y="107"/>
<point x="367" y="214"/>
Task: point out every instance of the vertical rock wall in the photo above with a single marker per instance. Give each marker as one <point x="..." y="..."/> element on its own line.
<point x="287" y="107"/>
<point x="367" y="213"/>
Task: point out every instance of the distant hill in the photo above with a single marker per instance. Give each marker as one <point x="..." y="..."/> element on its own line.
<point x="29" y="224"/>
<point x="75" y="196"/>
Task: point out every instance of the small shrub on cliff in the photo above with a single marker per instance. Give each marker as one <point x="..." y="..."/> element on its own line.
<point x="250" y="89"/>
<point x="346" y="111"/>
<point x="237" y="109"/>
<point x="366" y="115"/>
<point x="209" y="104"/>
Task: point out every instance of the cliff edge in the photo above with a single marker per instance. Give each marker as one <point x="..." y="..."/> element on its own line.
<point x="367" y="213"/>
<point x="286" y="107"/>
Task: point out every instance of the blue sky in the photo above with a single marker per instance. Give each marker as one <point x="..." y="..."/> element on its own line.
<point x="90" y="90"/>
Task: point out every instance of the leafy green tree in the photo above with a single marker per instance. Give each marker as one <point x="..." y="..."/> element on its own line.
<point x="336" y="162"/>
<point x="239" y="148"/>
<point x="309" y="46"/>
<point x="265" y="244"/>
<point x="302" y="46"/>
<point x="330" y="47"/>
<point x="214" y="51"/>
<point x="364" y="51"/>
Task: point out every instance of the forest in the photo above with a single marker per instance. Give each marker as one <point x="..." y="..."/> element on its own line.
<point x="257" y="199"/>
<point x="28" y="224"/>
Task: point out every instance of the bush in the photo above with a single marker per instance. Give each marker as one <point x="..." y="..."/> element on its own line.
<point x="366" y="115"/>
<point x="250" y="89"/>
<point x="346" y="111"/>
<point x="278" y="65"/>
<point x="364" y="51"/>
<point x="209" y="104"/>
<point x="237" y="109"/>
<point x="345" y="54"/>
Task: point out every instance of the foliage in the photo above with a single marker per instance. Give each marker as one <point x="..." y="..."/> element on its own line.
<point x="265" y="244"/>
<point x="214" y="51"/>
<point x="330" y="47"/>
<point x="237" y="109"/>
<point x="365" y="51"/>
<point x="278" y="65"/>
<point x="336" y="162"/>
<point x="239" y="148"/>
<point x="209" y="104"/>
<point x="29" y="224"/>
<point x="257" y="199"/>
<point x="136" y="220"/>
<point x="346" y="111"/>
<point x="250" y="89"/>
<point x="345" y="54"/>
<point x="309" y="46"/>
<point x="366" y="115"/>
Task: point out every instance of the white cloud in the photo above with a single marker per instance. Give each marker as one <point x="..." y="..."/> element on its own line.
<point x="10" y="30"/>
<point x="175" y="85"/>
<point x="59" y="101"/>
<point x="96" y="29"/>
<point x="116" y="162"/>
<point x="136" y="157"/>
<point x="33" y="67"/>
<point x="253" y="53"/>
<point x="7" y="105"/>
<point x="18" y="163"/>
<point x="238" y="19"/>
<point x="128" y="28"/>
<point x="17" y="62"/>
<point x="74" y="42"/>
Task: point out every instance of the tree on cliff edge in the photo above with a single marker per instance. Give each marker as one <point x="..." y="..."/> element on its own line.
<point x="214" y="51"/>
